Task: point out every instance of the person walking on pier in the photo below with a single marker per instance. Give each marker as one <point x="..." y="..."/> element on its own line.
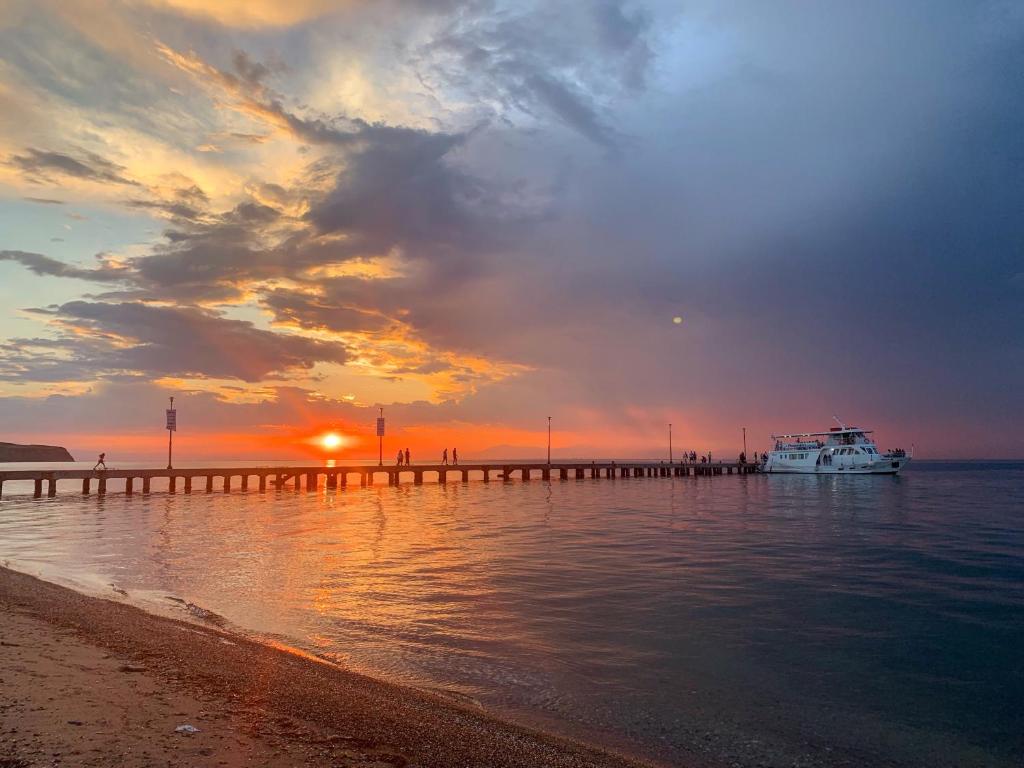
<point x="444" y="456"/>
<point x="400" y="457"/>
<point x="100" y="462"/>
<point x="455" y="455"/>
<point x="407" y="457"/>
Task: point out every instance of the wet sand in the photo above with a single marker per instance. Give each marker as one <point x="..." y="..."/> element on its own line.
<point x="93" y="682"/>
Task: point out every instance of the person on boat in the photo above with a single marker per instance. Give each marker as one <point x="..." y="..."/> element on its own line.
<point x="444" y="456"/>
<point x="100" y="462"/>
<point x="407" y="462"/>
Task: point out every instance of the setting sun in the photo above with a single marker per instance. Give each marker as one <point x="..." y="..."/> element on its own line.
<point x="331" y="441"/>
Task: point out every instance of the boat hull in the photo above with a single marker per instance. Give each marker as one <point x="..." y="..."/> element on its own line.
<point x="887" y="467"/>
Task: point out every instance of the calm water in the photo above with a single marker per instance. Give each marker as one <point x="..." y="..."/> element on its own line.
<point x="762" y="620"/>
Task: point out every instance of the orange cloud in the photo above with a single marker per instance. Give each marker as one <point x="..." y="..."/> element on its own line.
<point x="252" y="13"/>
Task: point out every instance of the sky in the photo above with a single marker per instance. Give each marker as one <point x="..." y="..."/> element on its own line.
<point x="478" y="214"/>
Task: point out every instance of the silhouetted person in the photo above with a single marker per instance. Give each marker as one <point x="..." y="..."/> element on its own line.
<point x="455" y="455"/>
<point x="400" y="457"/>
<point x="743" y="458"/>
<point x="444" y="456"/>
<point x="407" y="457"/>
<point x="100" y="462"/>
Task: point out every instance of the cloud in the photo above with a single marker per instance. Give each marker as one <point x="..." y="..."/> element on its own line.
<point x="565" y="63"/>
<point x="44" y="265"/>
<point x="300" y="308"/>
<point x="45" y="165"/>
<point x="43" y="200"/>
<point x="133" y="338"/>
<point x="252" y="13"/>
<point x="571" y="107"/>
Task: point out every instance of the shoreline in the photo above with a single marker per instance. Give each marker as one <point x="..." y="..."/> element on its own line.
<point x="330" y="708"/>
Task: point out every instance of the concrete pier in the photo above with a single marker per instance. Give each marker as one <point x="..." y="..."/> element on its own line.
<point x="336" y="477"/>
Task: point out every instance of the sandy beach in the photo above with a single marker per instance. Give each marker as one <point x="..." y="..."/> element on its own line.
<point x="94" y="682"/>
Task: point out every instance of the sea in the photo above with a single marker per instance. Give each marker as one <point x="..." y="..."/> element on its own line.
<point x="763" y="620"/>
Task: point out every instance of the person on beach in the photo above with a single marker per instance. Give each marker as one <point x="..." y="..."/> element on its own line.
<point x="407" y="457"/>
<point x="455" y="455"/>
<point x="100" y="462"/>
<point x="444" y="456"/>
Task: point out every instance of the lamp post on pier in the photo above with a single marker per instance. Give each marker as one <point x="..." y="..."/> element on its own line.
<point x="172" y="426"/>
<point x="744" y="441"/>
<point x="549" y="441"/>
<point x="380" y="437"/>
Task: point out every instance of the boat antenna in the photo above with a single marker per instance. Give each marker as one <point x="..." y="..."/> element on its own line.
<point x="840" y="423"/>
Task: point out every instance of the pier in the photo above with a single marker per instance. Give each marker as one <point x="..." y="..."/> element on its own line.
<point x="312" y="478"/>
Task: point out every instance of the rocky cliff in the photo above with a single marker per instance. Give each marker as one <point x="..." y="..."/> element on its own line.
<point x="15" y="452"/>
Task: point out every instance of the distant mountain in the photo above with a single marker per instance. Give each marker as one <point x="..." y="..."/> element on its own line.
<point x="15" y="452"/>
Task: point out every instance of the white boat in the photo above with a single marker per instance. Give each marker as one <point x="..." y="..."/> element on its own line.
<point x="840" y="451"/>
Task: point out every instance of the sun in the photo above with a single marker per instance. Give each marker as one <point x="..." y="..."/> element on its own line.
<point x="331" y="441"/>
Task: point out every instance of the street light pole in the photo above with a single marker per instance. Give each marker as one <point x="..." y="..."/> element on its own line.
<point x="744" y="441"/>
<point x="380" y="437"/>
<point x="171" y="425"/>
<point x="549" y="441"/>
<point x="669" y="443"/>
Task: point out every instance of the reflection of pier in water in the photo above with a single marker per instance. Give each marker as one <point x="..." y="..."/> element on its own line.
<point x="295" y="478"/>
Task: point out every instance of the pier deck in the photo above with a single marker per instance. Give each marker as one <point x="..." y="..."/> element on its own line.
<point x="295" y="478"/>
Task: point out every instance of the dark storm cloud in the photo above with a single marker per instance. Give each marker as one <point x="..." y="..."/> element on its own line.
<point x="547" y="62"/>
<point x="44" y="265"/>
<point x="46" y="165"/>
<point x="399" y="189"/>
<point x="142" y="339"/>
<point x="570" y="106"/>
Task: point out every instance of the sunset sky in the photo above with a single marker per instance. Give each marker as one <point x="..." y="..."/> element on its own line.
<point x="479" y="214"/>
